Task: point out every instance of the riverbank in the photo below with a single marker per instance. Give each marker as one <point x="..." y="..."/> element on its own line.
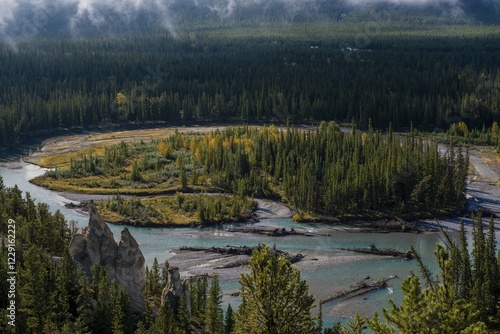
<point x="482" y="185"/>
<point x="483" y="192"/>
<point x="180" y="210"/>
<point x="326" y="268"/>
<point x="230" y="266"/>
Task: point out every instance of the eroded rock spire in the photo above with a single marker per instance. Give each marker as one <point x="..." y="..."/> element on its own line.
<point x="123" y="262"/>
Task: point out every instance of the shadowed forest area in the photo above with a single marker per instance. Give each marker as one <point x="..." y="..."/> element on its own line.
<point x="428" y="78"/>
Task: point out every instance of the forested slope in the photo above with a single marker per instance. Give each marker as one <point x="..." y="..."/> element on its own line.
<point x="431" y="78"/>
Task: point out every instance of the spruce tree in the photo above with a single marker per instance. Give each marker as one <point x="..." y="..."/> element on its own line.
<point x="136" y="173"/>
<point x="493" y="275"/>
<point x="427" y="311"/>
<point x="229" y="320"/>
<point x="183" y="315"/>
<point x="274" y="298"/>
<point x="465" y="283"/>
<point x="165" y="322"/>
<point x="214" y="323"/>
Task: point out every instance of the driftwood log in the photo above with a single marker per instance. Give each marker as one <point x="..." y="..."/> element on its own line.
<point x="358" y="290"/>
<point x="381" y="251"/>
<point x="242" y="250"/>
<point x="274" y="232"/>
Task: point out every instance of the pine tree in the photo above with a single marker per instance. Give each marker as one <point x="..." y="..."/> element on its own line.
<point x="319" y="327"/>
<point x="122" y="313"/>
<point x="493" y="275"/>
<point x="229" y="320"/>
<point x="465" y="283"/>
<point x="165" y="322"/>
<point x="118" y="318"/>
<point x="424" y="310"/>
<point x="67" y="289"/>
<point x="465" y="300"/>
<point x="274" y="298"/>
<point x="182" y="172"/>
<point x="214" y="323"/>
<point x="136" y="173"/>
<point x="480" y="271"/>
<point x="37" y="290"/>
<point x="183" y="315"/>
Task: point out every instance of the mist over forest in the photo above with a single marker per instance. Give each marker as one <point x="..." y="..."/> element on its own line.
<point x="24" y="19"/>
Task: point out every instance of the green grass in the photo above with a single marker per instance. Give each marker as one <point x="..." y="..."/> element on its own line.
<point x="179" y="209"/>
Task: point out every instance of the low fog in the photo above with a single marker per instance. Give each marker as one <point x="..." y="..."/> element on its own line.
<point x="30" y="18"/>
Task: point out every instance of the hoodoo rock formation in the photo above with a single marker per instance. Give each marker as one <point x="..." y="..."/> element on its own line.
<point x="175" y="288"/>
<point x="123" y="262"/>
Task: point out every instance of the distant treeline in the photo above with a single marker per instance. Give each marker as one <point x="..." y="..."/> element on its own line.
<point x="428" y="79"/>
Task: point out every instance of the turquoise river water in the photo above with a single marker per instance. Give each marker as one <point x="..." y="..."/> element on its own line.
<point x="337" y="270"/>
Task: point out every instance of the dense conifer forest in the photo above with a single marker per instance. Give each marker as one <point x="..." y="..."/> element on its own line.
<point x="309" y="72"/>
<point x="55" y="295"/>
<point x="321" y="171"/>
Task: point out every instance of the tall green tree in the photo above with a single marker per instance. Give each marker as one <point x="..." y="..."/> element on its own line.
<point x="428" y="311"/>
<point x="229" y="320"/>
<point x="275" y="300"/>
<point x="464" y="299"/>
<point x="214" y="323"/>
<point x="165" y="322"/>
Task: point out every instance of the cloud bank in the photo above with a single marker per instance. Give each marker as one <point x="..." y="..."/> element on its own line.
<point x="31" y="18"/>
<point x="408" y="2"/>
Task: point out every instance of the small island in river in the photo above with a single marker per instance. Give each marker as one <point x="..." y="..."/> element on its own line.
<point x="210" y="176"/>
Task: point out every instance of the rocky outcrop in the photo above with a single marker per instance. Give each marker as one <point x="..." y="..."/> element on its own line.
<point x="129" y="269"/>
<point x="174" y="288"/>
<point x="123" y="262"/>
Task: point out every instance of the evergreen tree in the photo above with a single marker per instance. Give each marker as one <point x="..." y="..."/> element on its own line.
<point x="480" y="290"/>
<point x="67" y="289"/>
<point x="229" y="320"/>
<point x="122" y="313"/>
<point x="183" y="314"/>
<point x="423" y="311"/>
<point x="182" y="172"/>
<point x="214" y="323"/>
<point x="36" y="294"/>
<point x="465" y="298"/>
<point x="165" y="322"/>
<point x="274" y="298"/>
<point x="136" y="173"/>
<point x="465" y="284"/>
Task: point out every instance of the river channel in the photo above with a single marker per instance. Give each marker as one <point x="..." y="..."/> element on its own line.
<point x="326" y="268"/>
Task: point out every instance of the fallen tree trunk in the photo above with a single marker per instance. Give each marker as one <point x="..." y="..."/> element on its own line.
<point x="381" y="251"/>
<point x="359" y="290"/>
<point x="273" y="232"/>
<point x="242" y="250"/>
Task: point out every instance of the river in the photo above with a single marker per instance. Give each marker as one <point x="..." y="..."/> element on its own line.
<point x="326" y="268"/>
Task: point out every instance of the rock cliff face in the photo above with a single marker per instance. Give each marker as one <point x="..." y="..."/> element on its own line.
<point x="174" y="288"/>
<point x="123" y="262"/>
